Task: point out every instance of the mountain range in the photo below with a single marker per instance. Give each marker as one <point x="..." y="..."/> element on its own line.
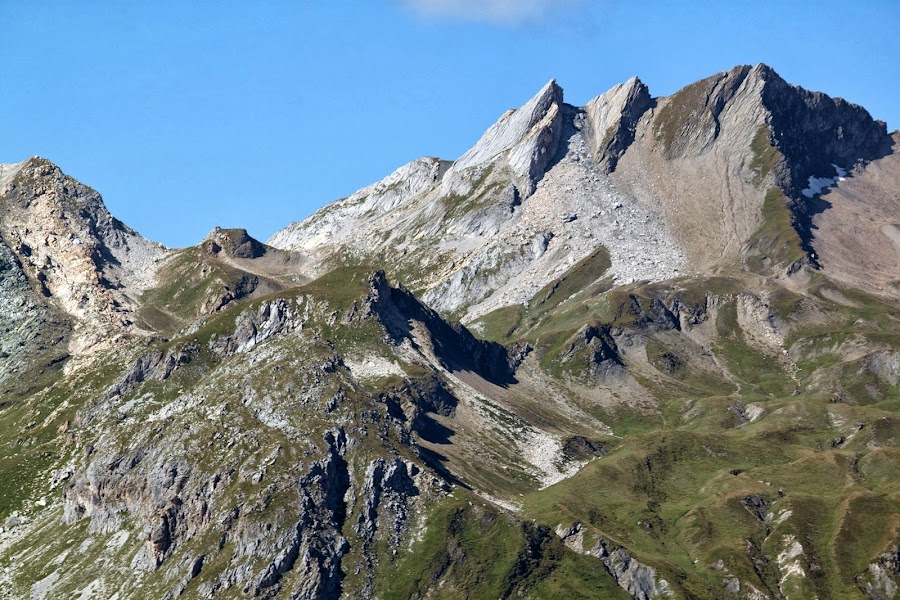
<point x="644" y="348"/>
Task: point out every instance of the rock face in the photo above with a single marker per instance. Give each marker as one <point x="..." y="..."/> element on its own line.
<point x="453" y="345"/>
<point x="814" y="132"/>
<point x="639" y="580"/>
<point x="513" y="213"/>
<point x="613" y="118"/>
<point x="753" y="116"/>
<point x="647" y="178"/>
<point x="524" y="141"/>
<point x="92" y="266"/>
<point x="29" y="325"/>
<point x="234" y="243"/>
<point x="636" y="578"/>
<point x="881" y="579"/>
<point x="691" y="120"/>
<point x="661" y="319"/>
<point x="290" y="532"/>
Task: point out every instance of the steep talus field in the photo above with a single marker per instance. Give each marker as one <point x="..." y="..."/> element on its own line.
<point x="645" y="348"/>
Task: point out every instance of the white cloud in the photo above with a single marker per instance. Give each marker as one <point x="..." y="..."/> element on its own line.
<point x="502" y="12"/>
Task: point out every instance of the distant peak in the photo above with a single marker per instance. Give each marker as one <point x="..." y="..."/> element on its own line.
<point x="234" y="243"/>
<point x="764" y="73"/>
<point x="550" y="92"/>
<point x="764" y="69"/>
<point x="521" y="128"/>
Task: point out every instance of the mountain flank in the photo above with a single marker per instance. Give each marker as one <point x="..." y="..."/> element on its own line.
<point x="645" y="348"/>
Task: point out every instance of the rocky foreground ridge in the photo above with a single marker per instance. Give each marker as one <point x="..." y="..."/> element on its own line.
<point x="644" y="348"/>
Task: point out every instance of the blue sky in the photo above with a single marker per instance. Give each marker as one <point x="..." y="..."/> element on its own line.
<point x="187" y="115"/>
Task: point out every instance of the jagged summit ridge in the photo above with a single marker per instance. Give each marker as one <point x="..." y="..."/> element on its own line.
<point x="528" y="137"/>
<point x="512" y="128"/>
<point x="613" y="118"/>
<point x="808" y="128"/>
<point x="672" y="186"/>
<point x="667" y="186"/>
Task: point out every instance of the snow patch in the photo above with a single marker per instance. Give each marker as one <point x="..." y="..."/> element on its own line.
<point x="817" y="184"/>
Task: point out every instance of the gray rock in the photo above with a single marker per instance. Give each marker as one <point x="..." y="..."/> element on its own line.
<point x="881" y="580"/>
<point x="636" y="578"/>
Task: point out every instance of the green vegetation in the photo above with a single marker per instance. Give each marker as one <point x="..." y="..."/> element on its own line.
<point x="720" y="450"/>
<point x="257" y="431"/>
<point x="686" y="104"/>
<point x="688" y="484"/>
<point x="581" y="284"/>
<point x="776" y="244"/>
<point x="580" y="277"/>
<point x="33" y="432"/>
<point x="691" y="381"/>
<point x="678" y="501"/>
<point x="470" y="551"/>
<point x="759" y="373"/>
<point x="765" y="155"/>
<point x="341" y="287"/>
<point x="192" y="284"/>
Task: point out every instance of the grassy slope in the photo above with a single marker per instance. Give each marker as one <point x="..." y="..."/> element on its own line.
<point x="671" y="491"/>
<point x="471" y="551"/>
<point x="495" y="552"/>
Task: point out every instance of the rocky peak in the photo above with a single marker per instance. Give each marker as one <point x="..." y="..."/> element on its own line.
<point x="687" y="122"/>
<point x="667" y="185"/>
<point x="815" y="132"/>
<point x="233" y="243"/>
<point x="526" y="139"/>
<point x="71" y="247"/>
<point x="811" y="130"/>
<point x="513" y="127"/>
<point x="752" y="129"/>
<point x="612" y="118"/>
